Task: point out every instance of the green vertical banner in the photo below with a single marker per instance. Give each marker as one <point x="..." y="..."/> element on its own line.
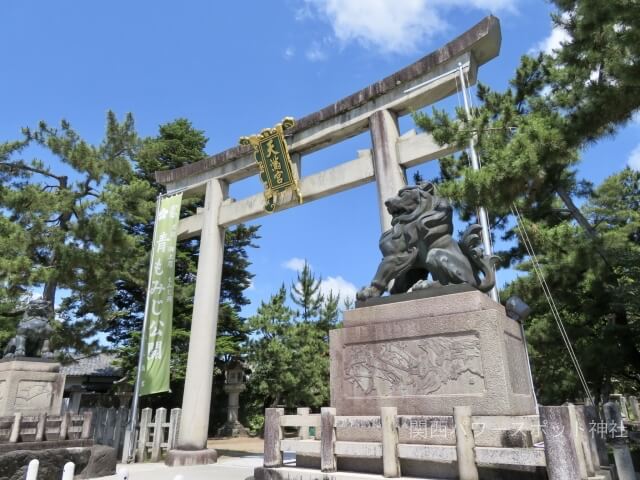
<point x="159" y="309"/>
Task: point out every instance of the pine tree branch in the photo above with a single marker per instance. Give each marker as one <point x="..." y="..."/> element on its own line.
<point x="584" y="223"/>
<point x="87" y="190"/>
<point x="40" y="171"/>
<point x="576" y="213"/>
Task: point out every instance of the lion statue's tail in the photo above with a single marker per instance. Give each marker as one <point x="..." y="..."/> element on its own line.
<point x="471" y="246"/>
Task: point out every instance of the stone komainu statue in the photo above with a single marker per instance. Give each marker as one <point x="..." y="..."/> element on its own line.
<point x="33" y="332"/>
<point x="420" y="243"/>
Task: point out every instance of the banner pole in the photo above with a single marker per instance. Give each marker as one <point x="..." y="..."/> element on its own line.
<point x="133" y="413"/>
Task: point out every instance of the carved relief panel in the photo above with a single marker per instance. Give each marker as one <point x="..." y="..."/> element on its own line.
<point x="421" y="366"/>
<point x="34" y="394"/>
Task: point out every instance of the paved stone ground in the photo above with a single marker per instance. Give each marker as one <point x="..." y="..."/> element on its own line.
<point x="237" y="459"/>
<point x="236" y="447"/>
<point x="159" y="471"/>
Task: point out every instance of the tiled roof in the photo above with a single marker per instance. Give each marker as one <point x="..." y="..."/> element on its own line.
<point x="101" y="364"/>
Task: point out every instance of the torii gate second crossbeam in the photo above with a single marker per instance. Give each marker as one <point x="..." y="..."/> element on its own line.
<point x="375" y="108"/>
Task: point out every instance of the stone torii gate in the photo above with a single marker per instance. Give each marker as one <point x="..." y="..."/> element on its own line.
<point x="375" y="108"/>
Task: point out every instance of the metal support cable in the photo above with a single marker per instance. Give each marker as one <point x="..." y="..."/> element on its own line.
<point x="547" y="292"/>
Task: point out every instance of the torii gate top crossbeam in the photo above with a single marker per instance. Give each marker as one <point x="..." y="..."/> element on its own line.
<point x="350" y="116"/>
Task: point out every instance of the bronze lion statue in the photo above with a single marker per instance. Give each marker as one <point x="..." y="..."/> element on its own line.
<point x="33" y="332"/>
<point x="420" y="244"/>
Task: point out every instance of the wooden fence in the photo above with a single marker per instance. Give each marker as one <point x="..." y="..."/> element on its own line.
<point x="109" y="425"/>
<point x="39" y="428"/>
<point x="105" y="426"/>
<point x="156" y="436"/>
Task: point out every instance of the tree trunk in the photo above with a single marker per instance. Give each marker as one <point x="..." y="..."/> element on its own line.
<point x="51" y="286"/>
<point x="583" y="222"/>
<point x="49" y="293"/>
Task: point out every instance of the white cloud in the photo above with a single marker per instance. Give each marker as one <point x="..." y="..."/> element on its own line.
<point x="338" y="285"/>
<point x="303" y="13"/>
<point x="296" y="264"/>
<point x="391" y="26"/>
<point x="553" y="42"/>
<point x="289" y="53"/>
<point x="634" y="158"/>
<point x="316" y="52"/>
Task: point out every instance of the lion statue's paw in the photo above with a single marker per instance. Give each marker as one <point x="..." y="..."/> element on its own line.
<point x="424" y="284"/>
<point x="368" y="292"/>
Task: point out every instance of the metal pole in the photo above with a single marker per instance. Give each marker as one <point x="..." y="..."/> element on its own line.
<point x="483" y="218"/>
<point x="133" y="414"/>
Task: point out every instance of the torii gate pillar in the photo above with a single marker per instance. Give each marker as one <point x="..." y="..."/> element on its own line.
<point x="196" y="401"/>
<point x="390" y="176"/>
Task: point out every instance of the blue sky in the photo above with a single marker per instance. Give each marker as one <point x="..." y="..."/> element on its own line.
<point x="233" y="68"/>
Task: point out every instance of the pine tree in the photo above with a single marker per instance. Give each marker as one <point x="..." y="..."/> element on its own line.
<point x="305" y="293"/>
<point x="270" y="355"/>
<point x="525" y="158"/>
<point x="530" y="136"/>
<point x="288" y="351"/>
<point x="289" y="358"/>
<point x="329" y="313"/>
<point x="594" y="76"/>
<point x="61" y="219"/>
<point x="15" y="266"/>
<point x="589" y="294"/>
<point x="177" y="144"/>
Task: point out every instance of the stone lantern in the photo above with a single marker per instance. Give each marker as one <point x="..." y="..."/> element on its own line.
<point x="233" y="386"/>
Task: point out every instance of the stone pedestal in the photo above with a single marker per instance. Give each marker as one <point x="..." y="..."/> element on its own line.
<point x="30" y="386"/>
<point x="425" y="356"/>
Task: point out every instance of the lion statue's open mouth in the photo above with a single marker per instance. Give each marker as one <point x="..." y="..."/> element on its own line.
<point x="397" y="206"/>
<point x="420" y="244"/>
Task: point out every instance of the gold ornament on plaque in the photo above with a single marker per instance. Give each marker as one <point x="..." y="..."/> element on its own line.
<point x="272" y="156"/>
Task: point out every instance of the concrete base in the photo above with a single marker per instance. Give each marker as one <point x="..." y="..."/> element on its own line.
<point x="30" y="386"/>
<point x="428" y="355"/>
<point x="292" y="473"/>
<point x="606" y="473"/>
<point x="296" y="473"/>
<point x="178" y="458"/>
